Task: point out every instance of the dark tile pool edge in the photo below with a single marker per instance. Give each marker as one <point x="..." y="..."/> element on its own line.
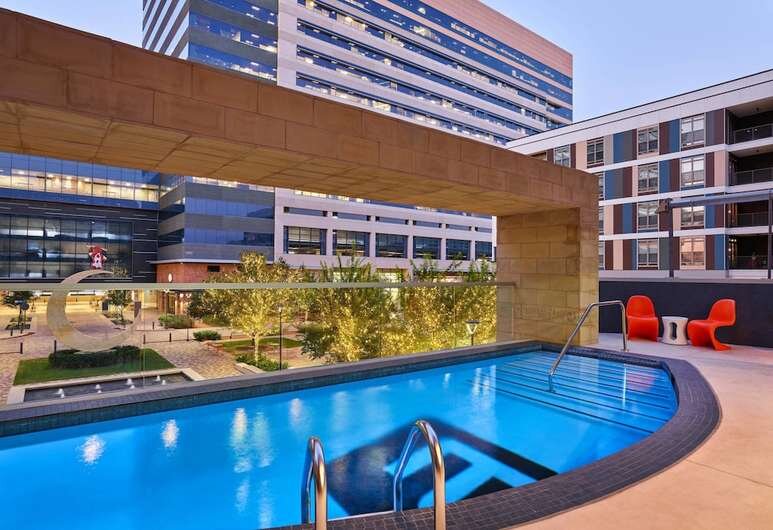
<point x="37" y="416"/>
<point x="697" y="417"/>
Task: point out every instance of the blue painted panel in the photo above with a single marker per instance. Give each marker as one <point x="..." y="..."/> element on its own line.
<point x="618" y="147"/>
<point x="612" y="188"/>
<point x="720" y="243"/>
<point x="674" y="138"/>
<point x="628" y="218"/>
<point x="710" y="217"/>
<point x="664" y="174"/>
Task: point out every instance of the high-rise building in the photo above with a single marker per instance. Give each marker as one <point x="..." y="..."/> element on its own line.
<point x="685" y="183"/>
<point x="458" y="66"/>
<point x="455" y="65"/>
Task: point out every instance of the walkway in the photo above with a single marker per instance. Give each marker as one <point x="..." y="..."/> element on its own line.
<point x="728" y="482"/>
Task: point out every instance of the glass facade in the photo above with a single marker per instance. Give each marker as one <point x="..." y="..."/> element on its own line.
<point x="327" y="88"/>
<point x="406" y="23"/>
<point x="48" y="247"/>
<point x="34" y="177"/>
<point x="475" y="76"/>
<point x="422" y="96"/>
<point x="228" y="61"/>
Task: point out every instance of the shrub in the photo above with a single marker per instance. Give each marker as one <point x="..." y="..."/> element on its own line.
<point x="175" y="321"/>
<point x="317" y="340"/>
<point x="264" y="363"/>
<point x="211" y="320"/>
<point x="76" y="359"/>
<point x="206" y="334"/>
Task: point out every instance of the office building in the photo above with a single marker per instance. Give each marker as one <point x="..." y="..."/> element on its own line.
<point x="428" y="62"/>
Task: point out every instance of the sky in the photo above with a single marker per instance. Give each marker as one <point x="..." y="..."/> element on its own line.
<point x="623" y="55"/>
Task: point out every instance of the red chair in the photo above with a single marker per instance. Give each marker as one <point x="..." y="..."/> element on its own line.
<point x="702" y="332"/>
<point x="641" y="318"/>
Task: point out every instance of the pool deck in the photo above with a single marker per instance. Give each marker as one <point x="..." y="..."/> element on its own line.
<point x="727" y="482"/>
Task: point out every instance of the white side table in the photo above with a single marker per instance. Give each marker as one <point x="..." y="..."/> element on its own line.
<point x="675" y="330"/>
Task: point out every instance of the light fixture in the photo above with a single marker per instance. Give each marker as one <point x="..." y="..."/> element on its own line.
<point x="472" y="327"/>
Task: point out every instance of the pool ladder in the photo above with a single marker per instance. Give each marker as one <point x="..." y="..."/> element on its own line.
<point x="314" y="471"/>
<point x="580" y="322"/>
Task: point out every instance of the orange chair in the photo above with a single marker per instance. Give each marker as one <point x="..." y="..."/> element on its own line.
<point x="702" y="332"/>
<point x="641" y="318"/>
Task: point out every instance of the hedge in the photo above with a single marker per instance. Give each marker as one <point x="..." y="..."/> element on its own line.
<point x="176" y="321"/>
<point x="206" y="334"/>
<point x="76" y="359"/>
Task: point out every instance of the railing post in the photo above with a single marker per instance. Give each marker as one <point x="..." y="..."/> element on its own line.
<point x="438" y="471"/>
<point x="314" y="471"/>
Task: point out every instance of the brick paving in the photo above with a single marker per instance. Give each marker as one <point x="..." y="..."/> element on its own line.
<point x="206" y="361"/>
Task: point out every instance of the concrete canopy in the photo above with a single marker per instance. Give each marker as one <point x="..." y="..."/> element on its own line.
<point x="73" y="95"/>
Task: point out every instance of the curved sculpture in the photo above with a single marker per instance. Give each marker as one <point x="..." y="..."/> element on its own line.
<point x="66" y="334"/>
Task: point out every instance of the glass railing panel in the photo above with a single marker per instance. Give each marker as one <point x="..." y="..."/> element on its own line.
<point x="117" y="337"/>
<point x="753" y="133"/>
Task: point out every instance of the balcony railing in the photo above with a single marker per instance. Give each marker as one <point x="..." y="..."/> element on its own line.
<point x="754" y="262"/>
<point x="753" y="133"/>
<point x="752" y="176"/>
<point x="749" y="219"/>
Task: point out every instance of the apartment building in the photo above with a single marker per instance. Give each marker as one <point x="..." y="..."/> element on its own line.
<point x="685" y="183"/>
<point x="423" y="61"/>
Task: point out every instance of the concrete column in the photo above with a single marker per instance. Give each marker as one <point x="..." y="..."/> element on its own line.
<point x="553" y="258"/>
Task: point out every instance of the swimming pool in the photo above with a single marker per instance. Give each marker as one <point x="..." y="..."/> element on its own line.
<point x="238" y="464"/>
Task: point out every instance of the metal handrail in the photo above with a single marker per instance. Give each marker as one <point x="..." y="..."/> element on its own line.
<point x="580" y="322"/>
<point x="314" y="470"/>
<point x="438" y="467"/>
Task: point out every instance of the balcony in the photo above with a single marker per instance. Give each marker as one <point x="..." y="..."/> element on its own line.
<point x="753" y="262"/>
<point x="753" y="133"/>
<point x="752" y="176"/>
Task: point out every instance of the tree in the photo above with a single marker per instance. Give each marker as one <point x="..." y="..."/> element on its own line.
<point x="18" y="299"/>
<point x="119" y="298"/>
<point x="12" y="297"/>
<point x="251" y="310"/>
<point x="353" y="324"/>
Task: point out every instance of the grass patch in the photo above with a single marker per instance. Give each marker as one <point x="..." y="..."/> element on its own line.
<point x="268" y="343"/>
<point x="40" y="371"/>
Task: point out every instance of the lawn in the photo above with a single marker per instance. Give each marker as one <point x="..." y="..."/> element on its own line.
<point x="39" y="371"/>
<point x="268" y="343"/>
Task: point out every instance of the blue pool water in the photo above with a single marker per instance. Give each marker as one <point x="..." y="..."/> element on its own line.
<point x="238" y="464"/>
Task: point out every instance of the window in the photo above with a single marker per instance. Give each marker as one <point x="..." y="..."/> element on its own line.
<point x="648" y="140"/>
<point x="647" y="252"/>
<point x="600" y="176"/>
<point x="540" y="156"/>
<point x="693" y="131"/>
<point x="647" y="216"/>
<point x="649" y="177"/>
<point x="457" y="249"/>
<point x="391" y="246"/>
<point x="299" y="240"/>
<point x="693" y="216"/>
<point x="595" y="152"/>
<point x="426" y="247"/>
<point x="349" y="243"/>
<point x="602" y="251"/>
<point x="693" y="172"/>
<point x="693" y="252"/>
<point x="562" y="156"/>
<point x="601" y="219"/>
<point x="483" y="250"/>
<point x="305" y="211"/>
